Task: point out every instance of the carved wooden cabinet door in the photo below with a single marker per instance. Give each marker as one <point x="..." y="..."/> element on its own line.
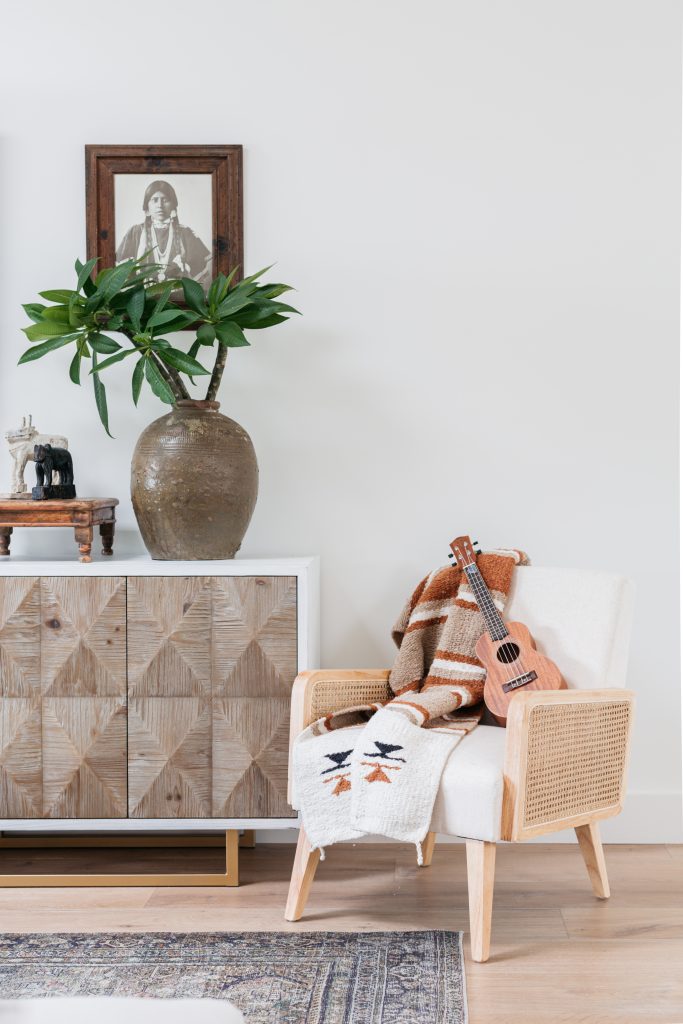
<point x="211" y="662"/>
<point x="254" y="663"/>
<point x="83" y="695"/>
<point x="169" y="695"/>
<point x="21" y="788"/>
<point x="62" y="697"/>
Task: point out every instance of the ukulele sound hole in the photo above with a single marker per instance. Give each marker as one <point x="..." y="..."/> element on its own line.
<point x="507" y="653"/>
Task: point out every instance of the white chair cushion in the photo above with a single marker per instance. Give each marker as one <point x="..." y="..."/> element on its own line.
<point x="470" y="798"/>
<point x="106" y="1010"/>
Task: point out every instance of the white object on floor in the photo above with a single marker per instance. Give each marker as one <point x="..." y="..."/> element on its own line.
<point x="104" y="1010"/>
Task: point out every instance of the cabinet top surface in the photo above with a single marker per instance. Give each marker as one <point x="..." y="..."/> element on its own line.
<point x="142" y="565"/>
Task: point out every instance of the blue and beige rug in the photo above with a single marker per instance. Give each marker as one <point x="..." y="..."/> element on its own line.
<point x="273" y="977"/>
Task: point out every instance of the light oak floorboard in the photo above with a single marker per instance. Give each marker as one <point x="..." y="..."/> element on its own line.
<point x="557" y="954"/>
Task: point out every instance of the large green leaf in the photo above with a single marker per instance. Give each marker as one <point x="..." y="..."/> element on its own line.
<point x="206" y="335"/>
<point x="259" y="273"/>
<point x="231" y="335"/>
<point x="44" y="329"/>
<point x="165" y="316"/>
<point x="135" y="307"/>
<point x="61" y="295"/>
<point x="157" y="382"/>
<point x="258" y="323"/>
<point x="75" y="368"/>
<point x="34" y="311"/>
<point x="102" y="344"/>
<point x="115" y="359"/>
<point x="271" y="291"/>
<point x="194" y="295"/>
<point x="37" y="351"/>
<point x="100" y="396"/>
<point x="235" y="301"/>
<point x="84" y="270"/>
<point x="182" y="361"/>
<point x="116" y="279"/>
<point x="60" y="314"/>
<point x="138" y="376"/>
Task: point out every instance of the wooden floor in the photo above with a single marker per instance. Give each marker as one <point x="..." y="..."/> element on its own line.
<point x="558" y="954"/>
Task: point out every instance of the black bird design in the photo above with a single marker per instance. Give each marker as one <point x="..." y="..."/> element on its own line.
<point x="384" y="751"/>
<point x="338" y="761"/>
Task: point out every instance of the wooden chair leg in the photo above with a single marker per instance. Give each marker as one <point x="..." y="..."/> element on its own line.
<point x="303" y="870"/>
<point x="481" y="863"/>
<point x="428" y="849"/>
<point x="594" y="857"/>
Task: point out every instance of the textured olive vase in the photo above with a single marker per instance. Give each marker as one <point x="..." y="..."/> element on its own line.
<point x="194" y="481"/>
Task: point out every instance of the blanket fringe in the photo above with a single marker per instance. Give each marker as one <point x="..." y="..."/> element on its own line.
<point x="321" y="851"/>
<point x="420" y="859"/>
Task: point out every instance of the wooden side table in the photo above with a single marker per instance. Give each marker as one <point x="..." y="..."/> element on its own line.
<point x="83" y="514"/>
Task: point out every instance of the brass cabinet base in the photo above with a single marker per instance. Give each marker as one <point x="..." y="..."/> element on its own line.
<point x="229" y="878"/>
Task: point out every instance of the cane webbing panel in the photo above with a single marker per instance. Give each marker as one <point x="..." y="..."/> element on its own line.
<point x="576" y="759"/>
<point x="336" y="694"/>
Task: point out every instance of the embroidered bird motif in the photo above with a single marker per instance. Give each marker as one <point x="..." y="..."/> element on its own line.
<point x="384" y="751"/>
<point x="339" y="759"/>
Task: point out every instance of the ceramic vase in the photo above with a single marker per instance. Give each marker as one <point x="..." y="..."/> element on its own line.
<point x="194" y="482"/>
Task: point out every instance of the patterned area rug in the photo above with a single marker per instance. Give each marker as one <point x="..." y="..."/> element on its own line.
<point x="283" y="977"/>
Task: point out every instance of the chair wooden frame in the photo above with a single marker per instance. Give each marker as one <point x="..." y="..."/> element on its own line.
<point x="588" y="733"/>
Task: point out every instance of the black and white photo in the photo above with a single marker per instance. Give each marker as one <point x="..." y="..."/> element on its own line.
<point x="177" y="207"/>
<point x="165" y="221"/>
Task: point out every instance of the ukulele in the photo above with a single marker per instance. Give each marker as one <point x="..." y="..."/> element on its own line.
<point x="506" y="650"/>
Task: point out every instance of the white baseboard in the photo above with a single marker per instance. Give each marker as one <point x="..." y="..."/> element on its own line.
<point x="646" y="818"/>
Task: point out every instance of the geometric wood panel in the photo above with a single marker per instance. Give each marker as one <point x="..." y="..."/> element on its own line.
<point x="254" y="663"/>
<point x="19" y="637"/>
<point x="83" y="647"/>
<point x="84" y="757"/>
<point x="169" y="757"/>
<point x="250" y="754"/>
<point x="20" y="758"/>
<point x="154" y="697"/>
<point x="169" y="637"/>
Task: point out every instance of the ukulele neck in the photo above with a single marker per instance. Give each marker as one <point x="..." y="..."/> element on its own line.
<point x="495" y="626"/>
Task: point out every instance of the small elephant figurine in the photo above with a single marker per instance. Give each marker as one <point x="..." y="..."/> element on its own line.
<point x="48" y="460"/>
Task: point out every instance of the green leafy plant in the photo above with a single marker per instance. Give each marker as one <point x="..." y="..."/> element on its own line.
<point x="122" y="300"/>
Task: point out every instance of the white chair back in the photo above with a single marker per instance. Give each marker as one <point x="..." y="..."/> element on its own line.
<point x="580" y="619"/>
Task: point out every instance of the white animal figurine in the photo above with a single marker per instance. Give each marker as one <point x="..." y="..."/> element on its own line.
<point x="21" y="442"/>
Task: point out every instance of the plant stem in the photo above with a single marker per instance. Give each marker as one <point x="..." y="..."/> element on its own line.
<point x="217" y="374"/>
<point x="172" y="378"/>
<point x="170" y="375"/>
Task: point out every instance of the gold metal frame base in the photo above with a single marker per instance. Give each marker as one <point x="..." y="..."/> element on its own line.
<point x="213" y="878"/>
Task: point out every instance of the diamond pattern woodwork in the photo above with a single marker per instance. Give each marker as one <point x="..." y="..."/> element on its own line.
<point x="83" y="641"/>
<point x="153" y="697"/>
<point x="19" y="650"/>
<point x="21" y="793"/>
<point x="169" y="637"/>
<point x="84" y="757"/>
<point x="169" y="758"/>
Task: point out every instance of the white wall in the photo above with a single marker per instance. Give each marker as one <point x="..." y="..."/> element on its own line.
<point x="480" y="206"/>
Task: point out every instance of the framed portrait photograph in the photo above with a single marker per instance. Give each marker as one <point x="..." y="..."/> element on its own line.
<point x="179" y="207"/>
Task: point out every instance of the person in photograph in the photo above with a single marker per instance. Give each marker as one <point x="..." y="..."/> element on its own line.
<point x="165" y="241"/>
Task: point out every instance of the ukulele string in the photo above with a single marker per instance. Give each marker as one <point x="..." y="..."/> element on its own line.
<point x="477" y="587"/>
<point x="481" y="591"/>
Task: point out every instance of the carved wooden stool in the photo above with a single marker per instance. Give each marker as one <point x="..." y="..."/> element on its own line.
<point x="83" y="514"/>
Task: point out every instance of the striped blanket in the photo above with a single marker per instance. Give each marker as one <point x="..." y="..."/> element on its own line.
<point x="376" y="769"/>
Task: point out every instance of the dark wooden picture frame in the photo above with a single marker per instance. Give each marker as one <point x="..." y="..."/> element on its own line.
<point x="223" y="163"/>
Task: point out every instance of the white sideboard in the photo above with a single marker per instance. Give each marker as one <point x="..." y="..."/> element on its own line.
<point x="139" y="695"/>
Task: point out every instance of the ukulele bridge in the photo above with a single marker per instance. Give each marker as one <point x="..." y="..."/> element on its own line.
<point x="523" y="680"/>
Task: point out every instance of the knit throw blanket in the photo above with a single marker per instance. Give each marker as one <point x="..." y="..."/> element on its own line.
<point x="376" y="768"/>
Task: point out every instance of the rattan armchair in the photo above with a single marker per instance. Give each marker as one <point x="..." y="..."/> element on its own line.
<point x="559" y="764"/>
